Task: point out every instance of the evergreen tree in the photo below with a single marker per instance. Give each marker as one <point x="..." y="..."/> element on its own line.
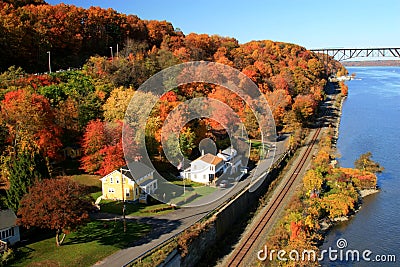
<point x="23" y="172"/>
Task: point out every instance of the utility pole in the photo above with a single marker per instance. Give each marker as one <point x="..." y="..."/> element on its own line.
<point x="48" y="52"/>
<point x="123" y="200"/>
<point x="117" y="51"/>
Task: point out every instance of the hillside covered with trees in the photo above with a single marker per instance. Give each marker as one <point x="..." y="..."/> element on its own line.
<point x="40" y="114"/>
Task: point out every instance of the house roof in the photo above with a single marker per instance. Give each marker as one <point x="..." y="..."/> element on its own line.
<point x="210" y="159"/>
<point x="147" y="182"/>
<point x="229" y="151"/>
<point x="135" y="171"/>
<point x="7" y="219"/>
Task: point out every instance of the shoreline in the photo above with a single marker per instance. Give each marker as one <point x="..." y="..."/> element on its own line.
<point x="368" y="192"/>
<point x="327" y="224"/>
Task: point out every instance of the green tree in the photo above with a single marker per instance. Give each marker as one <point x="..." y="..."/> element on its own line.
<point x="24" y="170"/>
<point x="365" y="163"/>
<point x="81" y="88"/>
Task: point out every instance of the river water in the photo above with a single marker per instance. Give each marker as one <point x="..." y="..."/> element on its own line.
<point x="371" y="122"/>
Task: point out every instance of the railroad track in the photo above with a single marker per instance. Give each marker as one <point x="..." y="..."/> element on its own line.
<point x="245" y="247"/>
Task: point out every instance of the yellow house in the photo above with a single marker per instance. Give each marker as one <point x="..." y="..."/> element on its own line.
<point x="136" y="184"/>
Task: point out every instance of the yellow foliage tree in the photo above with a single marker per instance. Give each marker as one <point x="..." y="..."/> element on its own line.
<point x="116" y="105"/>
<point x="312" y="180"/>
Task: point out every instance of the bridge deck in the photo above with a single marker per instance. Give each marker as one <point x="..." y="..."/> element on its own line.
<point x="341" y="54"/>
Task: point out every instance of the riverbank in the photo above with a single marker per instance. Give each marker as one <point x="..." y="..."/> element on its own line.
<point x="371" y="122"/>
<point x="362" y="193"/>
<point x="328" y="195"/>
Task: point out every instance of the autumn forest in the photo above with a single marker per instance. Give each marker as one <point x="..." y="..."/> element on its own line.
<point x="99" y="58"/>
<point x="44" y="113"/>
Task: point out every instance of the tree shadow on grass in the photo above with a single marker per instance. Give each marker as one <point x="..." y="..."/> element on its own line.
<point x="21" y="254"/>
<point x="111" y="232"/>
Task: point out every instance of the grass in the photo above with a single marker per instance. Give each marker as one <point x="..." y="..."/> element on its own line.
<point x="86" y="179"/>
<point x="91" y="181"/>
<point x="204" y="190"/>
<point x="134" y="209"/>
<point x="193" y="194"/>
<point x="96" y="195"/>
<point x="85" y="247"/>
<point x="187" y="183"/>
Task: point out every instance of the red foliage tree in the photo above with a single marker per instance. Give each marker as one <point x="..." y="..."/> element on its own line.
<point x="102" y="147"/>
<point x="93" y="141"/>
<point x="57" y="204"/>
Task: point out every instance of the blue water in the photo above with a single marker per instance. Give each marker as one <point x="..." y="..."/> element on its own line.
<point x="371" y="122"/>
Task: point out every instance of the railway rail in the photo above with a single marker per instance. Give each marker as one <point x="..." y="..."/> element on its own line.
<point x="246" y="246"/>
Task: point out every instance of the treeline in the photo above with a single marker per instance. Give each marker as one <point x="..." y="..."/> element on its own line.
<point x="28" y="29"/>
<point x="42" y="114"/>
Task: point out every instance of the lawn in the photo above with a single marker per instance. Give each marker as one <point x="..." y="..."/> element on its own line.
<point x="193" y="194"/>
<point x="187" y="183"/>
<point x="88" y="180"/>
<point x="134" y="209"/>
<point x="91" y="181"/>
<point x="85" y="247"/>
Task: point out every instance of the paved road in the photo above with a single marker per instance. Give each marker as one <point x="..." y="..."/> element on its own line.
<point x="171" y="224"/>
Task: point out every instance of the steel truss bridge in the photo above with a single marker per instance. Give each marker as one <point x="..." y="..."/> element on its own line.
<point x="342" y="54"/>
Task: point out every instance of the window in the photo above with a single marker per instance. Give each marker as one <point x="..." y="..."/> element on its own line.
<point x="117" y="181"/>
<point x="111" y="190"/>
<point x="7" y="233"/>
<point x="111" y="180"/>
<point x="127" y="193"/>
<point x="137" y="191"/>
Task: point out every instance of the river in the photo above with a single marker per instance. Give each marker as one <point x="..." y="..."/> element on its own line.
<point x="371" y="122"/>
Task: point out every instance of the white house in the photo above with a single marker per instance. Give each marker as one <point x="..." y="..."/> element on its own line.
<point x="9" y="230"/>
<point x="227" y="154"/>
<point x="231" y="158"/>
<point x="205" y="169"/>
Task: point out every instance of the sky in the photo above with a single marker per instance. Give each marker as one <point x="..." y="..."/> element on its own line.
<point x="312" y="24"/>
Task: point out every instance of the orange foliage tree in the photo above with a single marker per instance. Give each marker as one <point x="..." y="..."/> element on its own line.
<point x="29" y="118"/>
<point x="304" y="107"/>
